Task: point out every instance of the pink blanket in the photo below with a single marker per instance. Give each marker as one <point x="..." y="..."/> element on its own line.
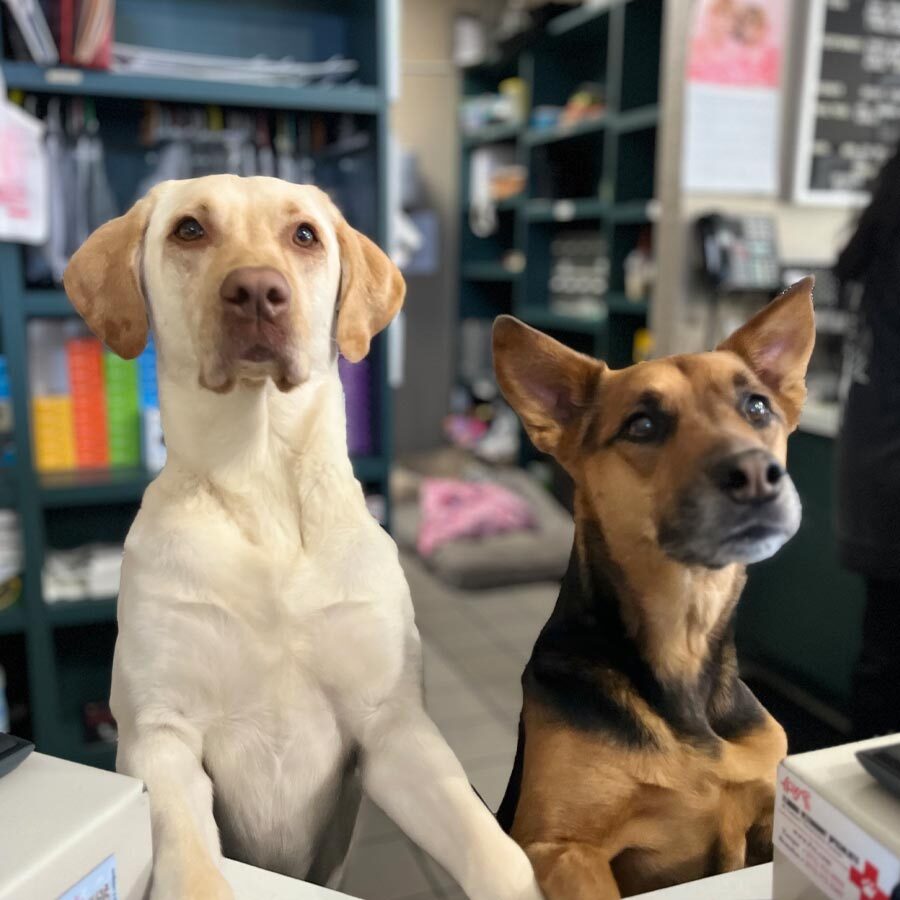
<point x="453" y="509"/>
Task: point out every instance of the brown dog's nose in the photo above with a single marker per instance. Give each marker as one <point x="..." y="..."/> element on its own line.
<point x="753" y="476"/>
<point x="256" y="292"/>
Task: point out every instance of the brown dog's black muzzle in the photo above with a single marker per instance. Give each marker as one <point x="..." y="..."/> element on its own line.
<point x="753" y="477"/>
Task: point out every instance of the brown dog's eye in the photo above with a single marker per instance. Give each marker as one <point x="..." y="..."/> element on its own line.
<point x="641" y="427"/>
<point x="757" y="410"/>
<point x="189" y="229"/>
<point x="304" y="236"/>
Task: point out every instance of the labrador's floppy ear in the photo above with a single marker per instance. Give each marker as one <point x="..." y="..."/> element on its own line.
<point x="545" y="382"/>
<point x="777" y="344"/>
<point x="372" y="292"/>
<point x="103" y="281"/>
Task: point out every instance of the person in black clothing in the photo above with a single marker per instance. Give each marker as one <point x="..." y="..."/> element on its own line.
<point x="869" y="452"/>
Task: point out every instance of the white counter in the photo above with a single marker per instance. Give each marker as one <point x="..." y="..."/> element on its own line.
<point x="255" y="884"/>
<point x="748" y="884"/>
<point x="65" y="825"/>
<point x="62" y="821"/>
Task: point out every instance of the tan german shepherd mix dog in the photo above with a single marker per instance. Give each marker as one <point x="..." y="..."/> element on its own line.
<point x="643" y="759"/>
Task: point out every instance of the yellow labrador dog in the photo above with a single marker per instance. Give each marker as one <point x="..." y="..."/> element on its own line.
<point x="267" y="659"/>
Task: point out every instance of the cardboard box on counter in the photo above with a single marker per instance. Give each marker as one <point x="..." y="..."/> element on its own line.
<point x="837" y="831"/>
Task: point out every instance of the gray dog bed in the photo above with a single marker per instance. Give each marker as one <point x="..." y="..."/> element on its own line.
<point x="539" y="554"/>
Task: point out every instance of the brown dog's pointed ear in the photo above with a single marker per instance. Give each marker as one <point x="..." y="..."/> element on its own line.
<point x="777" y="344"/>
<point x="372" y="292"/>
<point x="544" y="381"/>
<point x="103" y="281"/>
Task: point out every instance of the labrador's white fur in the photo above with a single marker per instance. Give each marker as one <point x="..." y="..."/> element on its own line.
<point x="267" y="658"/>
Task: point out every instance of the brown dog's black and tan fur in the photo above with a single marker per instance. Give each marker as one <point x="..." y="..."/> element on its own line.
<point x="643" y="759"/>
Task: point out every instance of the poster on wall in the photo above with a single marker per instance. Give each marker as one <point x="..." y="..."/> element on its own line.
<point x="733" y="103"/>
<point x="850" y="102"/>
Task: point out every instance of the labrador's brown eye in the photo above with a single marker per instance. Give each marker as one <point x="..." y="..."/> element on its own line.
<point x="189" y="229"/>
<point x="304" y="236"/>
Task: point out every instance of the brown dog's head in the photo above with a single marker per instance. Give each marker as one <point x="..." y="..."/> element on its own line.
<point x="687" y="453"/>
<point x="241" y="278"/>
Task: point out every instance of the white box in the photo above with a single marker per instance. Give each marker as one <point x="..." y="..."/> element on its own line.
<point x="73" y="833"/>
<point x="837" y="831"/>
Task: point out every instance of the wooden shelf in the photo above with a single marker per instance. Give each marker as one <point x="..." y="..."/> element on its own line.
<point x="564" y="132"/>
<point x="61" y="80"/>
<point x="492" y="134"/>
<point x="566" y="210"/>
<point x="488" y="271"/>
<point x="12" y="619"/>
<point x="81" y="612"/>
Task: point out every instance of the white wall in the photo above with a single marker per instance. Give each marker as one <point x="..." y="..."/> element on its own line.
<point x="807" y="234"/>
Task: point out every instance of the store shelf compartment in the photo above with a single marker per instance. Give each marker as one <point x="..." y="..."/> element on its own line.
<point x="619" y="304"/>
<point x="577" y="18"/>
<point x="492" y="134"/>
<point x="85" y="487"/>
<point x="370" y="468"/>
<point x="565" y="132"/>
<point x="70" y="744"/>
<point x="82" y="612"/>
<point x="639" y="212"/>
<point x="9" y="489"/>
<point x="543" y="317"/>
<point x="12" y="619"/>
<point x="566" y="210"/>
<point x="488" y="271"/>
<point x="48" y="303"/>
<point x="61" y="80"/>
<point x="636" y="119"/>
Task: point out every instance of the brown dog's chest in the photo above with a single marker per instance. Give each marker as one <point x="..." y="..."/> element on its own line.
<point x="663" y="816"/>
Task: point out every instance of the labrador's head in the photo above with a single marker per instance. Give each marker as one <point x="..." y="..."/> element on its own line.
<point x="244" y="279"/>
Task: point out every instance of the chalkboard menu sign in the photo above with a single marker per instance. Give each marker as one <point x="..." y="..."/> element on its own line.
<point x="850" y="109"/>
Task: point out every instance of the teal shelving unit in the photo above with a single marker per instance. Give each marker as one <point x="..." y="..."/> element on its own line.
<point x="596" y="176"/>
<point x="58" y="657"/>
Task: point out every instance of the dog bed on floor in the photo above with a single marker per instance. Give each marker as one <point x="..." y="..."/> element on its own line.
<point x="538" y="554"/>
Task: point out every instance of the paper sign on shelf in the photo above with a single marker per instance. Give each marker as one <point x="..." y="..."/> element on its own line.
<point x="24" y="207"/>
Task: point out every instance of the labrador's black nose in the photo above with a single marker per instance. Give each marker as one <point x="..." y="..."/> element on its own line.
<point x="753" y="476"/>
<point x="256" y="292"/>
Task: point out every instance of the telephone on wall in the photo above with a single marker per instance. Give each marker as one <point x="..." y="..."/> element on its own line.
<point x="739" y="252"/>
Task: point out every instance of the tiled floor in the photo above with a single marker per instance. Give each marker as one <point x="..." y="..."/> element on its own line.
<point x="476" y="645"/>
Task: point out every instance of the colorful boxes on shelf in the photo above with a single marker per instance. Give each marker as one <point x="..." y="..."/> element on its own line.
<point x="122" y="410"/>
<point x="87" y="403"/>
<point x="93" y="410"/>
<point x="86" y="382"/>
<point x="357" y="380"/>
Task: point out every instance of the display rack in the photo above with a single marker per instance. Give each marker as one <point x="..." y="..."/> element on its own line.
<point x="595" y="176"/>
<point x="58" y="656"/>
